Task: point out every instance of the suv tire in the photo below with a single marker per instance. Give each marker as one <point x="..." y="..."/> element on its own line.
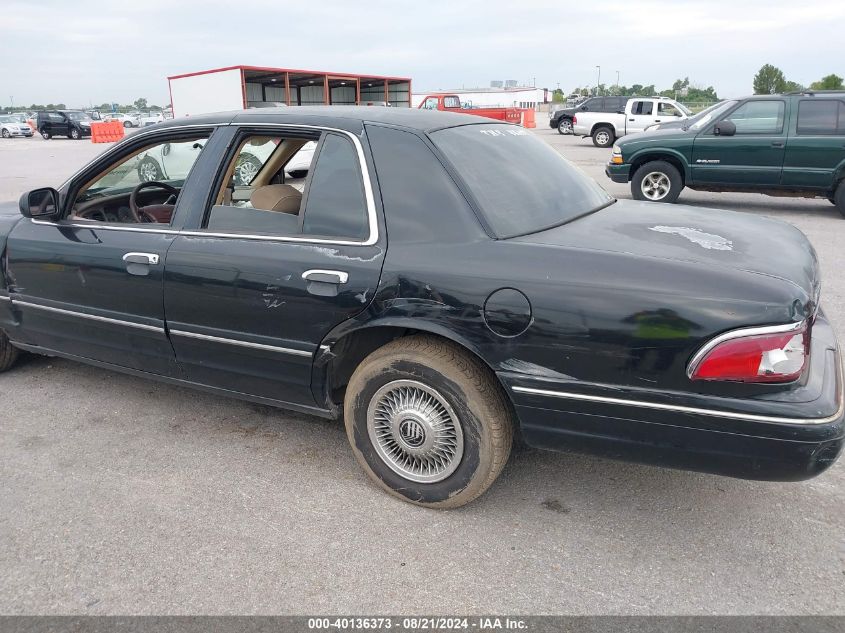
<point x="839" y="198"/>
<point x="46" y="135"/>
<point x="398" y="392"/>
<point x="603" y="136"/>
<point x="564" y="126"/>
<point x="74" y="134"/>
<point x="657" y="181"/>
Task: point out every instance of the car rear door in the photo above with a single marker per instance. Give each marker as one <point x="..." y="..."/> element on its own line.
<point x="754" y="156"/>
<point x="251" y="293"/>
<point x="815" y="149"/>
<point x="641" y="114"/>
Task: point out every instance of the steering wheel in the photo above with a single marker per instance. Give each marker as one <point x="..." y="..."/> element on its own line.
<point x="136" y="211"/>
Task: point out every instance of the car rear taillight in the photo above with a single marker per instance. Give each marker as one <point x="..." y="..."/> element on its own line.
<point x="574" y="120"/>
<point x="767" y="354"/>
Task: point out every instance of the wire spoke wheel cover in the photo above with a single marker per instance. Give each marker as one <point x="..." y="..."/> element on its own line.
<point x="655" y="185"/>
<point x="415" y="431"/>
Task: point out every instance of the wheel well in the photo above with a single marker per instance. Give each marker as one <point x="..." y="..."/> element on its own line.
<point x="350" y="350"/>
<point x="672" y="160"/>
<point x="609" y="126"/>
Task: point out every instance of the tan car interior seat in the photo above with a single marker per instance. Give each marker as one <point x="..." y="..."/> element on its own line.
<point x="281" y="198"/>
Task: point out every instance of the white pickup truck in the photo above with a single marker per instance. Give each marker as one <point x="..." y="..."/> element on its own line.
<point x="640" y="112"/>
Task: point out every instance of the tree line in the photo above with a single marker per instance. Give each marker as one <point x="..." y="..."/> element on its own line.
<point x="138" y="104"/>
<point x="682" y="89"/>
<point x="770" y="80"/>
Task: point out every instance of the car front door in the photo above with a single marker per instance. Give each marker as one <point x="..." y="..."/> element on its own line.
<point x="816" y="148"/>
<point x="753" y="157"/>
<point x="89" y="283"/>
<point x="261" y="275"/>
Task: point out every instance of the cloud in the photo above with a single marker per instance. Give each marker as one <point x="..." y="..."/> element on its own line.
<point x="120" y="51"/>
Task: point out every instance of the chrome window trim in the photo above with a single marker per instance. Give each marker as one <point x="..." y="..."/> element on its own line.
<point x="372" y="217"/>
<point x="5" y="298"/>
<point x="84" y="315"/>
<point x="643" y="404"/>
<point x="741" y="333"/>
<point x="230" y="341"/>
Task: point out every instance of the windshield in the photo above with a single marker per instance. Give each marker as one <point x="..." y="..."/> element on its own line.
<point x="521" y="184"/>
<point x="78" y="116"/>
<point x="7" y="119"/>
<point x="704" y="117"/>
<point x="684" y="109"/>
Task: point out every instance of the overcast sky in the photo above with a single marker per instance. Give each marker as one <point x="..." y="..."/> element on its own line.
<point x="81" y="52"/>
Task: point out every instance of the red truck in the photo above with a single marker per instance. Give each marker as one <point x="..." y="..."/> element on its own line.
<point x="451" y="103"/>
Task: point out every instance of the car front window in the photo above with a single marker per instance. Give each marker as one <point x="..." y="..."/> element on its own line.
<point x="78" y="116"/>
<point x="521" y="184"/>
<point x="703" y="118"/>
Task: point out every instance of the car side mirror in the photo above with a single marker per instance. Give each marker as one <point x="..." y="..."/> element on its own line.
<point x="42" y="204"/>
<point x="724" y="128"/>
<point x="583" y="107"/>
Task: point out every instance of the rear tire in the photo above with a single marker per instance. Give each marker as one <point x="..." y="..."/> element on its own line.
<point x="839" y="198"/>
<point x="657" y="181"/>
<point x="564" y="126"/>
<point x="127" y="124"/>
<point x="148" y="170"/>
<point x="428" y="422"/>
<point x="8" y="353"/>
<point x="46" y="135"/>
<point x="603" y="136"/>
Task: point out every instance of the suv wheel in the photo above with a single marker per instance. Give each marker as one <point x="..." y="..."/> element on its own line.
<point x="657" y="181"/>
<point x="564" y="126"/>
<point x="46" y="135"/>
<point x="839" y="197"/>
<point x="427" y="422"/>
<point x="603" y="137"/>
<point x="74" y="134"/>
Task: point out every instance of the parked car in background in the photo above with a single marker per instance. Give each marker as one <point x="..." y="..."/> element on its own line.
<point x="71" y="123"/>
<point x="780" y="145"/>
<point x="638" y="113"/>
<point x="12" y="126"/>
<point x="150" y="118"/>
<point x="128" y="120"/>
<point x="561" y="119"/>
<point x="679" y="123"/>
<point x="420" y="308"/>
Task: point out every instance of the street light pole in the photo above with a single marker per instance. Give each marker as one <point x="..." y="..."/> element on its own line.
<point x="598" y="81"/>
<point x="617" y="78"/>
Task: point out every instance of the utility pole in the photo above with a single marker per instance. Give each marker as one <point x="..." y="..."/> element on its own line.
<point x="617" y="78"/>
<point x="598" y="81"/>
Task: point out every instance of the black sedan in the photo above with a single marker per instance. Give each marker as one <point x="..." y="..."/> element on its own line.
<point x="440" y="281"/>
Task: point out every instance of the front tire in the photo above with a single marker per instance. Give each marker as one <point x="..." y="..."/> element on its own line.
<point x="839" y="198"/>
<point x="127" y="124"/>
<point x="148" y="170"/>
<point x="8" y="353"/>
<point x="603" y="136"/>
<point x="657" y="181"/>
<point x="74" y="134"/>
<point x="46" y="135"/>
<point x="6" y="133"/>
<point x="564" y="126"/>
<point x="428" y="422"/>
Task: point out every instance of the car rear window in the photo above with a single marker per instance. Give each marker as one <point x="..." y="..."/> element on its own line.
<point x="520" y="183"/>
<point x="821" y="117"/>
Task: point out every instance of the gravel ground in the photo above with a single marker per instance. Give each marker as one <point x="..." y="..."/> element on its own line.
<point x="122" y="496"/>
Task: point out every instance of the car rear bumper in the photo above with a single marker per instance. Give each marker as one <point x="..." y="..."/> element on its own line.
<point x="618" y="173"/>
<point x="785" y="436"/>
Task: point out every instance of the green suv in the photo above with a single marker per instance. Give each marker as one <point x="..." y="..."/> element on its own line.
<point x="782" y="145"/>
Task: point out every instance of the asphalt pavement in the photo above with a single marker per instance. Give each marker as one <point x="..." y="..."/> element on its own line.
<point x="125" y="496"/>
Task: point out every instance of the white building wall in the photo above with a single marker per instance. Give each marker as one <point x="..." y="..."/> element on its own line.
<point x="209" y="92"/>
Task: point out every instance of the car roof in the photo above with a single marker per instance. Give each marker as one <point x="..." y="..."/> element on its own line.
<point x="345" y="117"/>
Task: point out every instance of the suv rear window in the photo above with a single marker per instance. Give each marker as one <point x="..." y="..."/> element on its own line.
<point x="521" y="184"/>
<point x="821" y="117"/>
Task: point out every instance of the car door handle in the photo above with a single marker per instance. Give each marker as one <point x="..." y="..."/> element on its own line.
<point x="657" y="120"/>
<point x="326" y="276"/>
<point x="631" y="119"/>
<point x="777" y="143"/>
<point x="150" y="259"/>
